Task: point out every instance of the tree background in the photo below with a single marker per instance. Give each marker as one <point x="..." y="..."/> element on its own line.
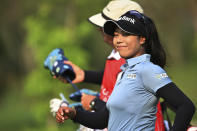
<point x="29" y="30"/>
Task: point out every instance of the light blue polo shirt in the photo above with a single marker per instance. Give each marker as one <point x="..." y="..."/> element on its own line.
<point x="132" y="104"/>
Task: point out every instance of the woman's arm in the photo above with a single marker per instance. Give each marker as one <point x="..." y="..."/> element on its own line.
<point x="184" y="106"/>
<point x="94" y="120"/>
<point x="97" y="104"/>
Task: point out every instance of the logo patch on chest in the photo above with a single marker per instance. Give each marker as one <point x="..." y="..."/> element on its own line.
<point x="131" y="76"/>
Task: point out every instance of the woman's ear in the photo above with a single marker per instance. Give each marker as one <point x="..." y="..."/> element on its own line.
<point x="142" y="40"/>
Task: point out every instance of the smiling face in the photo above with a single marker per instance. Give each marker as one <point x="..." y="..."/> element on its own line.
<point x="128" y="45"/>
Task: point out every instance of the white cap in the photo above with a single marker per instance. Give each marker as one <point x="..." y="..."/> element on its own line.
<point x="114" y="10"/>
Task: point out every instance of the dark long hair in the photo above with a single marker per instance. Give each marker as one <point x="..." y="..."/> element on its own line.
<point x="153" y="45"/>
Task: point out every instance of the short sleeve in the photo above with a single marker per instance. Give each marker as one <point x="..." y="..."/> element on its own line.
<point x="154" y="77"/>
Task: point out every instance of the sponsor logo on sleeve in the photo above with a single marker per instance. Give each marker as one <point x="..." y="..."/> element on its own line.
<point x="161" y="76"/>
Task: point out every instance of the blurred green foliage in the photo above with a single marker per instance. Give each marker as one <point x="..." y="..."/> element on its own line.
<point x="31" y="29"/>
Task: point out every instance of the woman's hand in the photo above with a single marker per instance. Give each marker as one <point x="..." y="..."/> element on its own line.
<point x="80" y="74"/>
<point x="65" y="113"/>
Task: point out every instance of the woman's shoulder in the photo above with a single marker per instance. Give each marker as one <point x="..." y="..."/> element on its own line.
<point x="147" y="67"/>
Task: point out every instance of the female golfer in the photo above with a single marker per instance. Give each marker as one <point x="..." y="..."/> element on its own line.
<point x="132" y="104"/>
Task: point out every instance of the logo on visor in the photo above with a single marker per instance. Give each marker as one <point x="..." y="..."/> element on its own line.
<point x="131" y="20"/>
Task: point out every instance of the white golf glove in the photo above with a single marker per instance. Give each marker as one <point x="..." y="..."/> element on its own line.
<point x="55" y="103"/>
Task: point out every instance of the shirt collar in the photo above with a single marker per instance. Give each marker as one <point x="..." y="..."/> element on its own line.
<point x="114" y="55"/>
<point x="136" y="60"/>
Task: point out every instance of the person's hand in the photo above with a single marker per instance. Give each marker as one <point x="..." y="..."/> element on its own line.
<point x="55" y="103"/>
<point x="85" y="101"/>
<point x="65" y="113"/>
<point x="80" y="74"/>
